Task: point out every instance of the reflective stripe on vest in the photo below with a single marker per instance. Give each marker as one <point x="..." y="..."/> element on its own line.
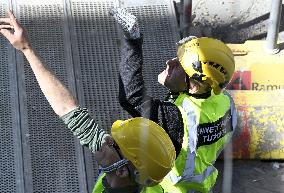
<point x="207" y="128"/>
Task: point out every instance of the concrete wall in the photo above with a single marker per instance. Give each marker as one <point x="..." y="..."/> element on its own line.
<point x="232" y="21"/>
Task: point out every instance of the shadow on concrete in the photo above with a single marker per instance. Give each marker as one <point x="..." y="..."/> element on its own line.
<point x="239" y="33"/>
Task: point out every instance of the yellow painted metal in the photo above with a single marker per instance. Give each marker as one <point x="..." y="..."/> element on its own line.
<point x="258" y="91"/>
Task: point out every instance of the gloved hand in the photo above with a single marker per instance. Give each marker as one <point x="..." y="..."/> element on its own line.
<point x="127" y="21"/>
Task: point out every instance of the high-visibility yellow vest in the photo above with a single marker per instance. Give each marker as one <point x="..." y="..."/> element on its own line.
<point x="99" y="187"/>
<point x="208" y="126"/>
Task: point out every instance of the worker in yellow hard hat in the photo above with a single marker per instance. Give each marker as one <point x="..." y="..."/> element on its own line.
<point x="145" y="151"/>
<point x="137" y="154"/>
<point x="207" y="60"/>
<point x="198" y="114"/>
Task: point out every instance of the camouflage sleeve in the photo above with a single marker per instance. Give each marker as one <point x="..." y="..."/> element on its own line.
<point x="85" y="128"/>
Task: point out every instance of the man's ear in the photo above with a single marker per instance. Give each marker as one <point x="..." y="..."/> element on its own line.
<point x="122" y="172"/>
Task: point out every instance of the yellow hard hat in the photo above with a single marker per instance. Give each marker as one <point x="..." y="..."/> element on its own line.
<point x="209" y="59"/>
<point x="147" y="146"/>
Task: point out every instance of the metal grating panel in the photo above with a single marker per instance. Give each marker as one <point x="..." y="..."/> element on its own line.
<point x="7" y="138"/>
<point x="50" y="155"/>
<point x="157" y="23"/>
<point x="96" y="57"/>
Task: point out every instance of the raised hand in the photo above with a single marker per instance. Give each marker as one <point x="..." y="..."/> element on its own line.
<point x="59" y="97"/>
<point x="127" y="21"/>
<point x="14" y="32"/>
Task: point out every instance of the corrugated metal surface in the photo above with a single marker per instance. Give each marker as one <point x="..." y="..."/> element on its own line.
<point x="8" y="140"/>
<point x="50" y="159"/>
<point x="96" y="56"/>
<point x="81" y="43"/>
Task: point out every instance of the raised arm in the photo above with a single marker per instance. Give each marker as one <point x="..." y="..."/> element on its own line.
<point x="58" y="96"/>
<point x="132" y="92"/>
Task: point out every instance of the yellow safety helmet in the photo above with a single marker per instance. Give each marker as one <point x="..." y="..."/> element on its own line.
<point x="208" y="59"/>
<point x="147" y="146"/>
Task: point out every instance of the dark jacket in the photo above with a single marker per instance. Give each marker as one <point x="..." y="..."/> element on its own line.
<point x="136" y="101"/>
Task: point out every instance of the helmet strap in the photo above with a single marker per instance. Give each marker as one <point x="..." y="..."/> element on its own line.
<point x="201" y="96"/>
<point x="116" y="148"/>
<point x="114" y="166"/>
<point x="198" y="77"/>
<point x="187" y="80"/>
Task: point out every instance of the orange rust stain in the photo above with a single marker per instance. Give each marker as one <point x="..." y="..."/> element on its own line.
<point x="241" y="143"/>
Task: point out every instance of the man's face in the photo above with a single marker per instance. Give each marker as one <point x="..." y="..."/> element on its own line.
<point x="108" y="155"/>
<point x="173" y="77"/>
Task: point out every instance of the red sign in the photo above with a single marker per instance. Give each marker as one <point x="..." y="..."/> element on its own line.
<point x="241" y="81"/>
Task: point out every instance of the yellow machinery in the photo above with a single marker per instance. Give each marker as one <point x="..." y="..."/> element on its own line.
<point x="258" y="90"/>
